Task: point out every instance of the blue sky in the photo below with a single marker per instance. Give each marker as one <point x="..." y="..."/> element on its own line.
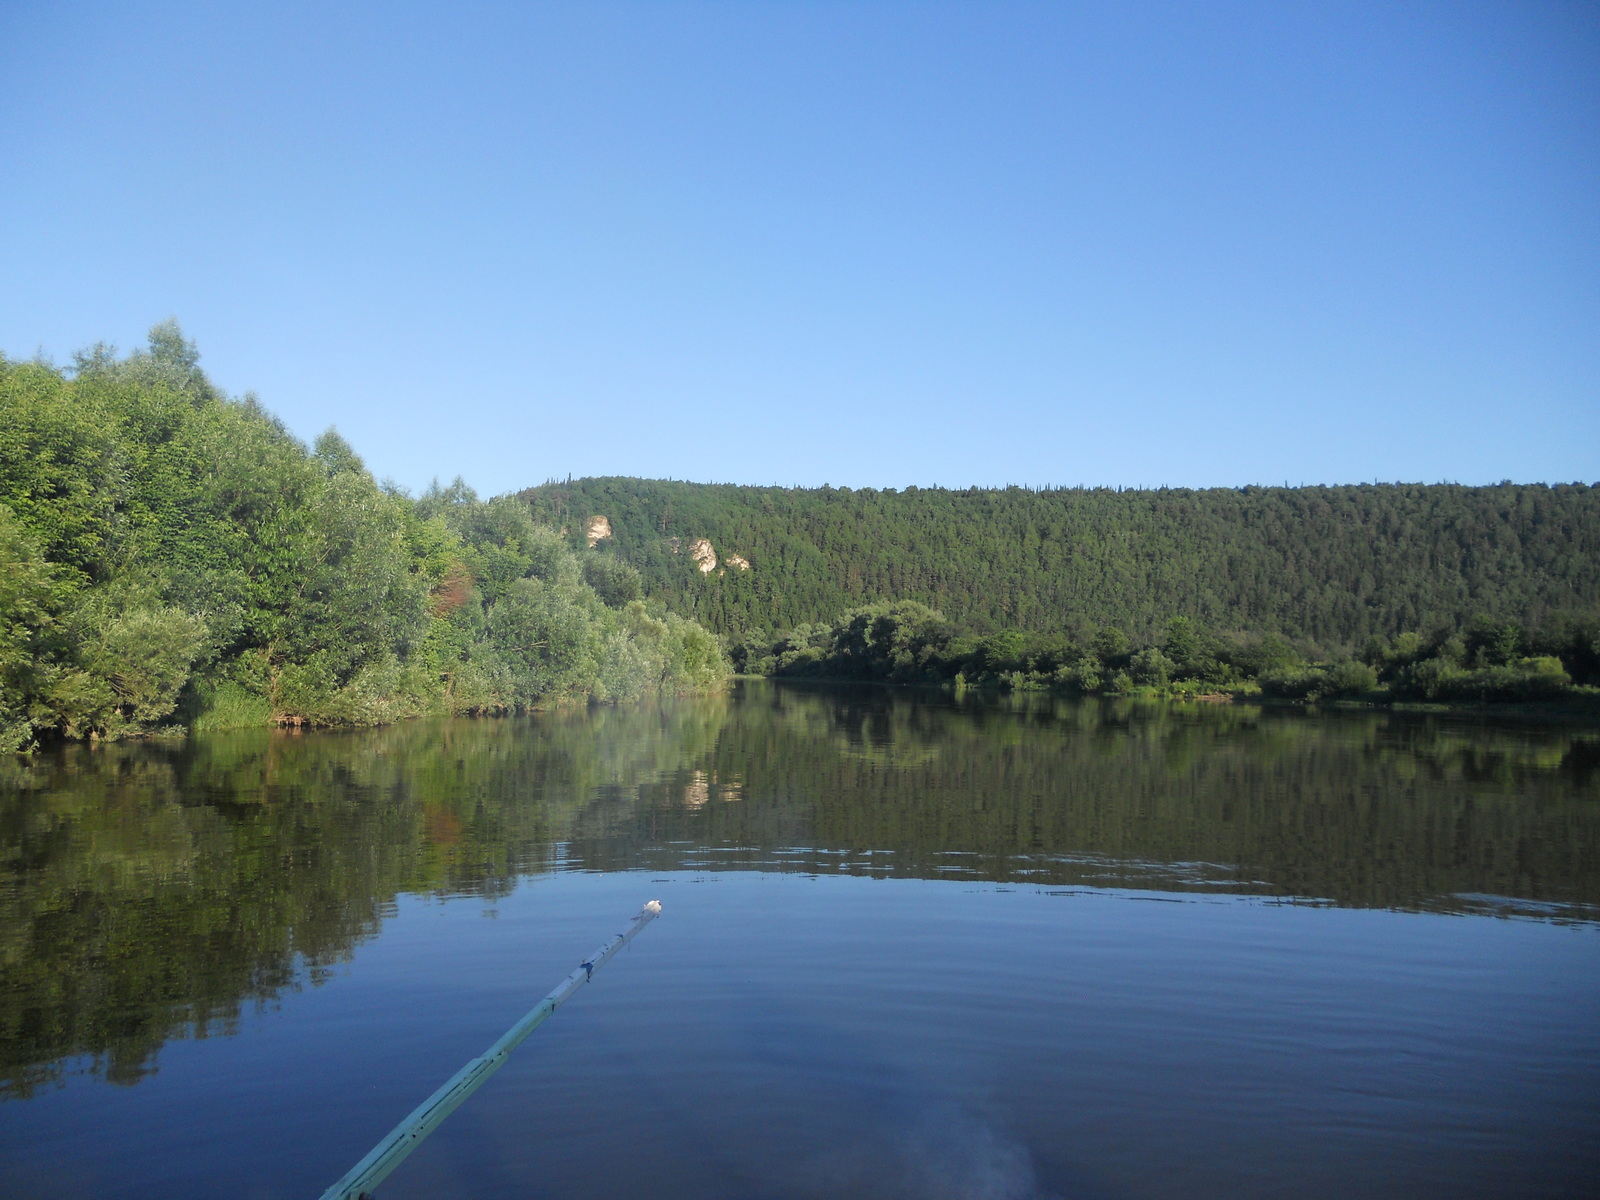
<point x="865" y="244"/>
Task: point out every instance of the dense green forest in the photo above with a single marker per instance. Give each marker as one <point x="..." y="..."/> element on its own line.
<point x="171" y="555"/>
<point x="1331" y="565"/>
<point x="1428" y="593"/>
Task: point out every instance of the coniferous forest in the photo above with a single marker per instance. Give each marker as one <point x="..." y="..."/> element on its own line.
<point x="170" y="555"/>
<point x="1417" y="592"/>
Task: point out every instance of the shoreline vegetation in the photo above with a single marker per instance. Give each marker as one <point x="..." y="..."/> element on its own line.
<point x="1487" y="663"/>
<point x="172" y="557"/>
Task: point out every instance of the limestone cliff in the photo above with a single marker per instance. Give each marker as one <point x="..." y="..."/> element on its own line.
<point x="704" y="556"/>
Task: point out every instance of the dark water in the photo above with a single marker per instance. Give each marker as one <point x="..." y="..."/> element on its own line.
<point x="911" y="949"/>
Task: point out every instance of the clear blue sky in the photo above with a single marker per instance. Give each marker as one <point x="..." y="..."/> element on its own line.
<point x="867" y="244"/>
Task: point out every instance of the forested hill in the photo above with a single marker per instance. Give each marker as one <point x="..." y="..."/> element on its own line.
<point x="1333" y="564"/>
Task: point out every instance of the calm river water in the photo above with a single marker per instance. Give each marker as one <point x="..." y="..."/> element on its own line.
<point x="912" y="947"/>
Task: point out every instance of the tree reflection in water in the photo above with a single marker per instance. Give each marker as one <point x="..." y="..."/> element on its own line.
<point x="156" y="890"/>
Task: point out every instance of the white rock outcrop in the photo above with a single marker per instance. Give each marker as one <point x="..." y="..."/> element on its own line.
<point x="597" y="529"/>
<point x="704" y="556"/>
<point x="738" y="561"/>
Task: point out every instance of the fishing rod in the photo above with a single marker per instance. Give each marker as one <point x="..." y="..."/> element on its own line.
<point x="405" y="1137"/>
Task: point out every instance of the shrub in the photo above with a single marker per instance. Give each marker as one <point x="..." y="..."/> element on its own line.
<point x="1152" y="668"/>
<point x="1294" y="683"/>
<point x="1524" y="679"/>
<point x="1349" y="678"/>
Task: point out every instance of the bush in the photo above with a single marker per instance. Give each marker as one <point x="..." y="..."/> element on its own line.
<point x="1151" y="668"/>
<point x="614" y="581"/>
<point x="1081" y="676"/>
<point x="1293" y="683"/>
<point x="1525" y="679"/>
<point x="1350" y="678"/>
<point x="144" y="658"/>
<point x="1320" y="682"/>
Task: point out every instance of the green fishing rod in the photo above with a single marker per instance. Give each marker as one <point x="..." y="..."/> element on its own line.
<point x="430" y="1114"/>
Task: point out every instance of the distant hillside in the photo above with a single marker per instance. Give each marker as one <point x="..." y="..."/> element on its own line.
<point x="1333" y="564"/>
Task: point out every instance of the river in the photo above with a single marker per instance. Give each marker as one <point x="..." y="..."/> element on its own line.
<point x="912" y="946"/>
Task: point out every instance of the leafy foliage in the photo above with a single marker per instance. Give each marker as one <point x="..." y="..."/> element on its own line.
<point x="906" y="642"/>
<point x="169" y="553"/>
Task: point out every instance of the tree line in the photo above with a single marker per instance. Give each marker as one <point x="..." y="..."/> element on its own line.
<point x="169" y="554"/>
<point x="906" y="642"/>
<point x="1334" y="566"/>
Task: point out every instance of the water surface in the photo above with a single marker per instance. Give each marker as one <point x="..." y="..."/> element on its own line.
<point x="912" y="947"/>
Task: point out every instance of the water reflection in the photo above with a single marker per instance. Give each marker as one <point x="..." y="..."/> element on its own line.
<point x="158" y="890"/>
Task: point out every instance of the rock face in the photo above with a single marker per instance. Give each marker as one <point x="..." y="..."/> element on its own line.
<point x="597" y="529"/>
<point x="738" y="561"/>
<point x="704" y="556"/>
